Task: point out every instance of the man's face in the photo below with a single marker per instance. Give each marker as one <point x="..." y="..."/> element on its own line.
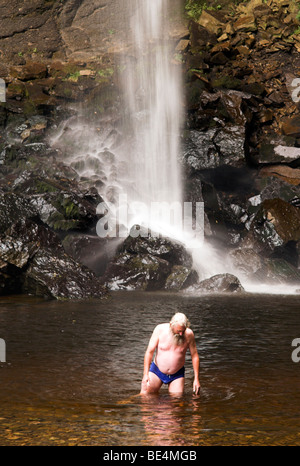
<point x="178" y="332"/>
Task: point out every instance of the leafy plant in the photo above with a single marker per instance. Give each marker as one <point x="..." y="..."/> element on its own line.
<point x="73" y="76"/>
<point x="194" y="8"/>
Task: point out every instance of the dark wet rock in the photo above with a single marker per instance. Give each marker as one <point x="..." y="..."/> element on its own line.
<point x="221" y="283"/>
<point x="90" y="250"/>
<point x="276" y="224"/>
<point x="148" y="263"/>
<point x="12" y="208"/>
<point x="172" y="251"/>
<point x="210" y="21"/>
<point x="217" y="131"/>
<point x="142" y="272"/>
<point x="47" y="187"/>
<point x="60" y="277"/>
<point x="64" y="211"/>
<point x="245" y="261"/>
<point x="274" y="149"/>
<point x="33" y="261"/>
<point x="291" y="126"/>
<point x="224" y="106"/>
<point x="181" y="277"/>
<point x="279" y="181"/>
<point x="214" y="148"/>
<point x="277" y="271"/>
<point x="273" y="183"/>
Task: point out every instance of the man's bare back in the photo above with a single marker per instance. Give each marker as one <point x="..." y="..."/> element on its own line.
<point x="171" y="342"/>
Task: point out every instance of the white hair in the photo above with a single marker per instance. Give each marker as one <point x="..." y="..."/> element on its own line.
<point x="180" y="319"/>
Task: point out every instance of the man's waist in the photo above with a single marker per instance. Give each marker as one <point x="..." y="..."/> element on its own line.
<point x="168" y="371"/>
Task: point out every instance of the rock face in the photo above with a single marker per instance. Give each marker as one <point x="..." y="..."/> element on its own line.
<point x="38" y="206"/>
<point x="33" y="261"/>
<point x="69" y="30"/>
<point x="241" y="143"/>
<point x="62" y="29"/>
<point x="221" y="283"/>
<point x="150" y="263"/>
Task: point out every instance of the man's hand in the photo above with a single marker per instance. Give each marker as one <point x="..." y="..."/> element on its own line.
<point x="196" y="387"/>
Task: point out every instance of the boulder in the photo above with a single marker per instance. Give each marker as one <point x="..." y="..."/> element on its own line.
<point x="137" y="272"/>
<point x="221" y="283"/>
<point x="291" y="176"/>
<point x="149" y="263"/>
<point x="272" y="184"/>
<point x="210" y="22"/>
<point x="276" y="223"/>
<point x="290" y="126"/>
<point x="167" y="249"/>
<point x="58" y="276"/>
<point x="90" y="250"/>
<point x="277" y="271"/>
<point x="12" y="208"/>
<point x="246" y="261"/>
<point x="180" y="278"/>
<point x="33" y="261"/>
<point x="214" y="148"/>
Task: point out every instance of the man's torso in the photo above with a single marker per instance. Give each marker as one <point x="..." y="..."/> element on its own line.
<point x="170" y="356"/>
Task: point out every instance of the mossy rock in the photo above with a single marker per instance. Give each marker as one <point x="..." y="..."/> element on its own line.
<point x="226" y="82"/>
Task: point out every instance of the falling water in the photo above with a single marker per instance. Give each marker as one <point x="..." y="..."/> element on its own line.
<point x="153" y="99"/>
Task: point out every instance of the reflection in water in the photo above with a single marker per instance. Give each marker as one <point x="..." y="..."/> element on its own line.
<point x="73" y="372"/>
<point x="163" y="418"/>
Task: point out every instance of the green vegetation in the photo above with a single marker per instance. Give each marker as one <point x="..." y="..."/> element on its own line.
<point x="73" y="76"/>
<point x="194" y="8"/>
<point x="106" y="73"/>
<point x="45" y="187"/>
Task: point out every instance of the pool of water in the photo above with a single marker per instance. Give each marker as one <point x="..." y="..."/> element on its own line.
<point x="73" y="371"/>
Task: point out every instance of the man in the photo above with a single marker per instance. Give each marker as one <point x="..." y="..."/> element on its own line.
<point x="171" y="342"/>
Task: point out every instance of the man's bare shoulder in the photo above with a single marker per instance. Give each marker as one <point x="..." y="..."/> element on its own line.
<point x="160" y="328"/>
<point x="189" y="334"/>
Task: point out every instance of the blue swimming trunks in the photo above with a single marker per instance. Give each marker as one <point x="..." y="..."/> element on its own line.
<point x="165" y="378"/>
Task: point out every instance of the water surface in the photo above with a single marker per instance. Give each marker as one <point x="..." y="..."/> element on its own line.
<point x="73" y="370"/>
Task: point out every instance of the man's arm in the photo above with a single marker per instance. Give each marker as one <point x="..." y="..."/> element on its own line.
<point x="148" y="357"/>
<point x="196" y="364"/>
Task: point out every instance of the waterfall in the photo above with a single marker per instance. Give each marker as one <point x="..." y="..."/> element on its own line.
<point x="152" y="92"/>
<point x="137" y="170"/>
<point x="154" y="101"/>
